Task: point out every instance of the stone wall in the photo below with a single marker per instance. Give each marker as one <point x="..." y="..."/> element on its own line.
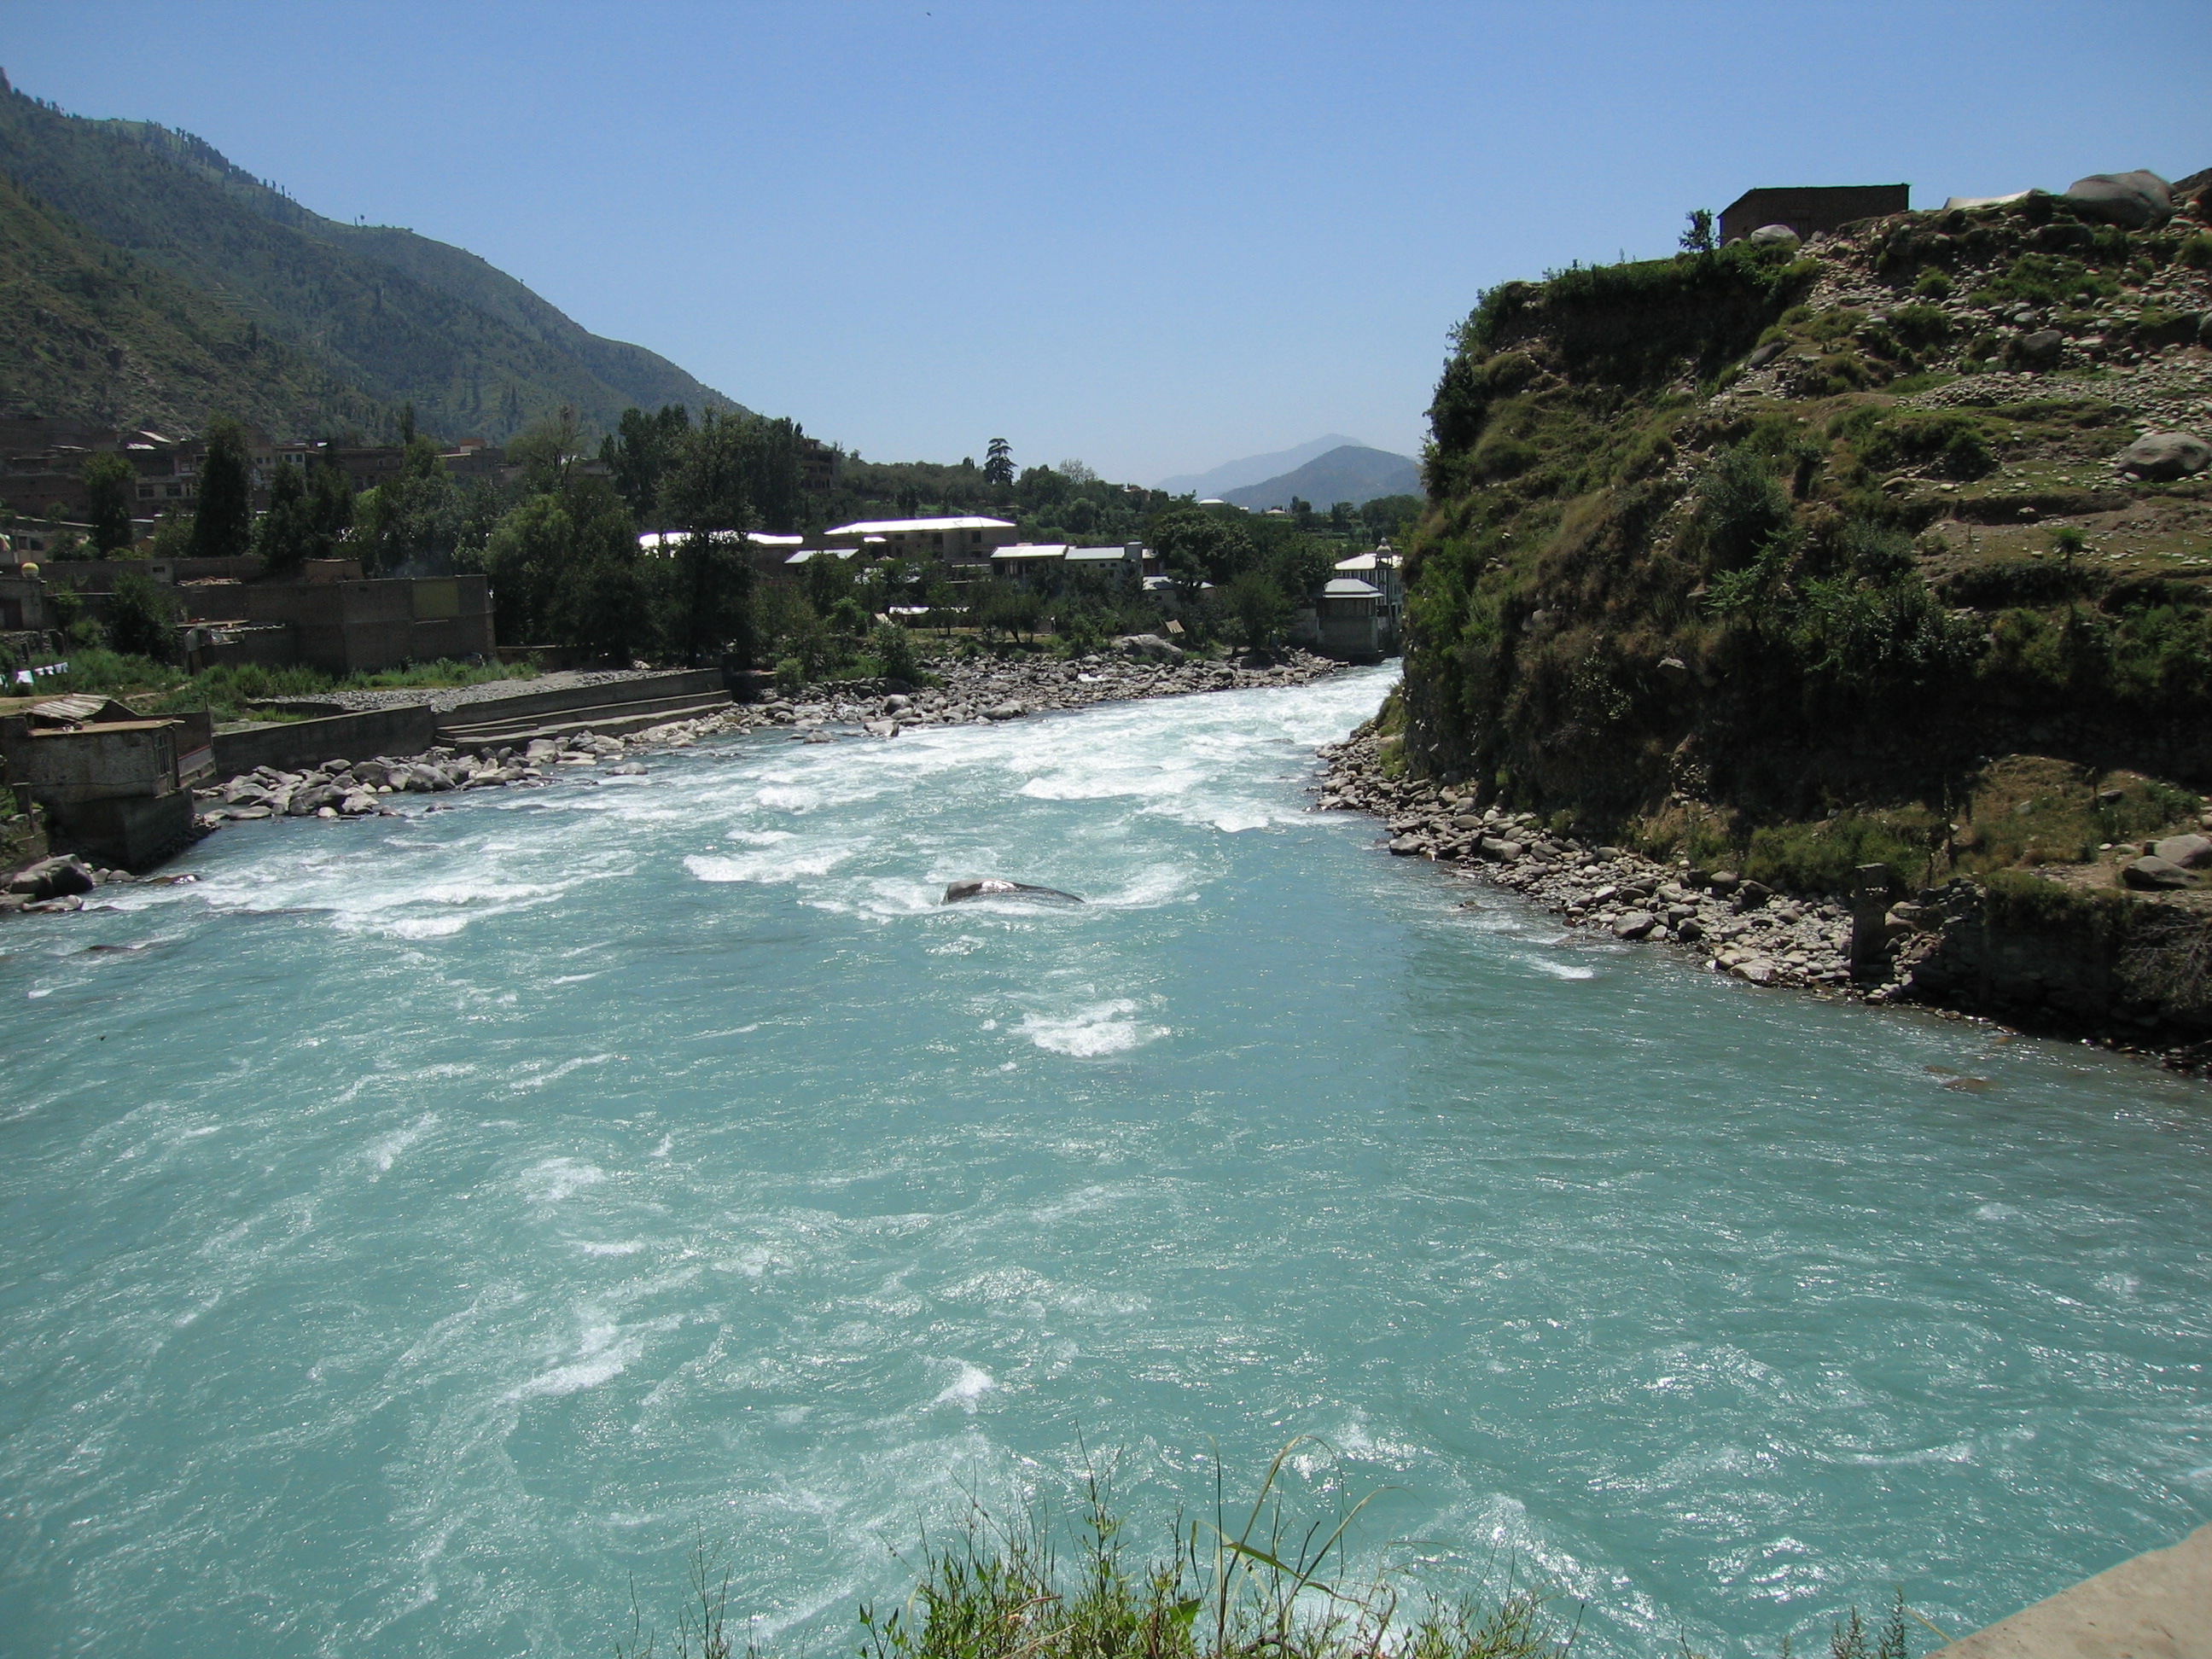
<point x="292" y="744"/>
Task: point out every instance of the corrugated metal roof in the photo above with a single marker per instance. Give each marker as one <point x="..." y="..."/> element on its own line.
<point x="1350" y="588"/>
<point x="894" y="526"/>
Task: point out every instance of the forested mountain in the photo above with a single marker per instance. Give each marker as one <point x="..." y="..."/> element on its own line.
<point x="1252" y="468"/>
<point x="90" y="331"/>
<point x="1350" y="473"/>
<point x="397" y="317"/>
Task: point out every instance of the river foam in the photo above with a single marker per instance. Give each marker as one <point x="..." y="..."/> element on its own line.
<point x="443" y="1220"/>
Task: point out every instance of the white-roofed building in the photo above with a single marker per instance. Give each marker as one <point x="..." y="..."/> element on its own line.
<point x="1355" y="620"/>
<point x="1026" y="562"/>
<point x="1130" y="562"/>
<point x="1379" y="567"/>
<point x="767" y="554"/>
<point x="966" y="540"/>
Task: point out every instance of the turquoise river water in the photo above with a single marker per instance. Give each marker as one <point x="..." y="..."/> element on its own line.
<point x="416" y="1229"/>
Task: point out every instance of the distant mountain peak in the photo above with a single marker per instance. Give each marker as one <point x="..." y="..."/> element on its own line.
<point x="1350" y="472"/>
<point x="1253" y="469"/>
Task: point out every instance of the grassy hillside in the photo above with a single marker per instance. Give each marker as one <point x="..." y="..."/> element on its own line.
<point x="91" y="331"/>
<point x="1795" y="543"/>
<point x="399" y="317"/>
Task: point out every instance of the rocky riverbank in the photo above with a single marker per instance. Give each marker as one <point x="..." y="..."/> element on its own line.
<point x="966" y="691"/>
<point x="1735" y="926"/>
<point x="2130" y="980"/>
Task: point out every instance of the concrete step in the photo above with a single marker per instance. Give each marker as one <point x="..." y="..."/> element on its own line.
<point x="480" y="720"/>
<point x="614" y="720"/>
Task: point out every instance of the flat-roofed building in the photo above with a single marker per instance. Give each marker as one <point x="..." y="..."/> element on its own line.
<point x="1130" y="562"/>
<point x="1028" y="562"/>
<point x="966" y="540"/>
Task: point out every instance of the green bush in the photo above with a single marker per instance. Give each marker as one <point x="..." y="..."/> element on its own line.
<point x="1933" y="285"/>
<point x="2047" y="279"/>
<point x="2196" y="252"/>
<point x="893" y="649"/>
<point x="1740" y="507"/>
<point x="1824" y="857"/>
<point x="142" y="619"/>
<point x="1951" y="443"/>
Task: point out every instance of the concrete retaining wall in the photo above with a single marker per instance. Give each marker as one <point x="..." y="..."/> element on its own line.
<point x="296" y="745"/>
<point x="2157" y="1606"/>
<point x="678" y="683"/>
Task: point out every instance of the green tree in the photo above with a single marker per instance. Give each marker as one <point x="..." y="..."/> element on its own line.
<point x="708" y="491"/>
<point x="637" y="454"/>
<point x="1258" y="608"/>
<point x="415" y="519"/>
<point x="1197" y="546"/>
<point x="142" y="618"/>
<point x="547" y="450"/>
<point x="285" y="536"/>
<point x="564" y="564"/>
<point x="111" y="482"/>
<point x="1699" y="237"/>
<point x="999" y="463"/>
<point x="223" y="528"/>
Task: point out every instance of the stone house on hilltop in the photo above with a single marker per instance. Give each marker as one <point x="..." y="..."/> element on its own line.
<point x="1809" y="209"/>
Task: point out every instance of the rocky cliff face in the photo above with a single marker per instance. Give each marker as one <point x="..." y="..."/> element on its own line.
<point x="1895" y="546"/>
<point x="1782" y="525"/>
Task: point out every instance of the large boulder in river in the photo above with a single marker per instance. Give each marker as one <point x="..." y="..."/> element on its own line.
<point x="56" y="878"/>
<point x="2165" y="456"/>
<point x="2137" y="199"/>
<point x="999" y="887"/>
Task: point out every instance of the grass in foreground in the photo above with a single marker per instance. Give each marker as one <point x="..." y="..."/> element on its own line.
<point x="1258" y="1592"/>
<point x="1264" y="1592"/>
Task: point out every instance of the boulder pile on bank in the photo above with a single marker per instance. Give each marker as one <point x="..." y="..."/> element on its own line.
<point x="983" y="691"/>
<point x="356" y="789"/>
<point x="1737" y="926"/>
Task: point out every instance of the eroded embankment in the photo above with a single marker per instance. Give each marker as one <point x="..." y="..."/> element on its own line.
<point x="2128" y="972"/>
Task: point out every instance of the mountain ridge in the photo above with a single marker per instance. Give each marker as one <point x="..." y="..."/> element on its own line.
<point x="1252" y="468"/>
<point x="1350" y="472"/>
<point x="397" y="317"/>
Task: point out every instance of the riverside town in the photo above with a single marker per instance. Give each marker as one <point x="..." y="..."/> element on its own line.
<point x="1583" y="1030"/>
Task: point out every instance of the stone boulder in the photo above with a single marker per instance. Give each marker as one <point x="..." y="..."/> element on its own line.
<point x="2135" y="200"/>
<point x="53" y="878"/>
<point x="1149" y="647"/>
<point x="308" y="801"/>
<point x="2165" y="456"/>
<point x="2153" y="874"/>
<point x="999" y="887"/>
<point x="1767" y="235"/>
<point x="2188" y="851"/>
<point x="1634" y="924"/>
<point x="2039" y="349"/>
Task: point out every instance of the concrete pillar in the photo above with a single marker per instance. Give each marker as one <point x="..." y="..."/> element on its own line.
<point x="1870" y="897"/>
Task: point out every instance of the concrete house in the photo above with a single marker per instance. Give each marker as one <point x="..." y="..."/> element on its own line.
<point x="115" y="786"/>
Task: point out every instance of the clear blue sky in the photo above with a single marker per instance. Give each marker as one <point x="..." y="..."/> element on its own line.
<point x="1154" y="237"/>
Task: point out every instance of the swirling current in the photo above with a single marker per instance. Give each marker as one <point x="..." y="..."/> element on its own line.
<point x="420" y="1229"/>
